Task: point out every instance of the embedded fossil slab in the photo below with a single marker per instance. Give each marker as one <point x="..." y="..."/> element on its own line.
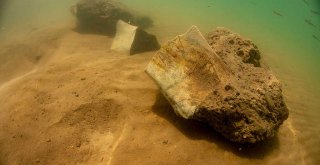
<point x="131" y="39"/>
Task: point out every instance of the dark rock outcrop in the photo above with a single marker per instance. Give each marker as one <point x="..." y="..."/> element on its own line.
<point x="101" y="16"/>
<point x="229" y="90"/>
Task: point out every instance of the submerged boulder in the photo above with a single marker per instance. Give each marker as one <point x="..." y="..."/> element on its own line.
<point x="101" y="16"/>
<point x="131" y="39"/>
<point x="228" y="91"/>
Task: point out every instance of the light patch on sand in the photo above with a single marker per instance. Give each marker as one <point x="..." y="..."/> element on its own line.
<point x="116" y="143"/>
<point x="7" y="85"/>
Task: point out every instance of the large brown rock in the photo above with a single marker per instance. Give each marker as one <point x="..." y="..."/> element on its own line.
<point x="101" y="16"/>
<point x="229" y="90"/>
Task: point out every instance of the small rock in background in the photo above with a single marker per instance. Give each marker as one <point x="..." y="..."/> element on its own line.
<point x="131" y="40"/>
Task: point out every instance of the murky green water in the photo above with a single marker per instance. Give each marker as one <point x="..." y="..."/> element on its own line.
<point x="286" y="31"/>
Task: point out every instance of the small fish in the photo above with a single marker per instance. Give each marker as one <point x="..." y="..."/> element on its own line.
<point x="316" y="38"/>
<point x="308" y="21"/>
<point x="277" y="13"/>
<point x="315" y="12"/>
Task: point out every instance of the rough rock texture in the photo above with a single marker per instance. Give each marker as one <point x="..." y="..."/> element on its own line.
<point x="228" y="90"/>
<point x="131" y="39"/>
<point x="224" y="42"/>
<point x="101" y="16"/>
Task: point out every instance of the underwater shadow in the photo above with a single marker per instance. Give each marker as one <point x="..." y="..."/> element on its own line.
<point x="195" y="130"/>
<point x="81" y="30"/>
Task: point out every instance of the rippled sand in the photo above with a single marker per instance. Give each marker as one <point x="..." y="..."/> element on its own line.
<point x="82" y="103"/>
